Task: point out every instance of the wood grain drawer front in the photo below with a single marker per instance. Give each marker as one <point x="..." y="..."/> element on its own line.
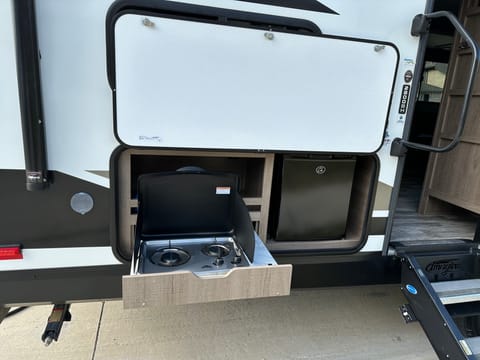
<point x="184" y="287"/>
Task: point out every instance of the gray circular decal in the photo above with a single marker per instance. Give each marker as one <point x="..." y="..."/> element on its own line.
<point x="81" y="203"/>
<point x="408" y="76"/>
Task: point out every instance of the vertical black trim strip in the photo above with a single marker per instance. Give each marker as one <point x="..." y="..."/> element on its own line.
<point x="30" y="96"/>
<point x="422" y="48"/>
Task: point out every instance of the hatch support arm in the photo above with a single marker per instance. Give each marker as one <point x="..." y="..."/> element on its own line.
<point x="420" y="26"/>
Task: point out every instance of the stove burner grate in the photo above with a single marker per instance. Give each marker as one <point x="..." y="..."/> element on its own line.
<point x="216" y="250"/>
<point x="170" y="257"/>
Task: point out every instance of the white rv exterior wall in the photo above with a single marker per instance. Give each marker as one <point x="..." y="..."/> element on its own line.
<point x="11" y="143"/>
<point x="78" y="101"/>
<point x="78" y="106"/>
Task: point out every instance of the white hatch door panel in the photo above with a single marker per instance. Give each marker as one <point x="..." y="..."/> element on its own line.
<point x="206" y="86"/>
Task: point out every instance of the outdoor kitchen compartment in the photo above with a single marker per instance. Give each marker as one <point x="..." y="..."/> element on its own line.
<point x="223" y="128"/>
<point x="315" y="197"/>
<point x="191" y="249"/>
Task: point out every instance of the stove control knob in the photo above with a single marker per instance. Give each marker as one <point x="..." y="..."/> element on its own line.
<point x="218" y="262"/>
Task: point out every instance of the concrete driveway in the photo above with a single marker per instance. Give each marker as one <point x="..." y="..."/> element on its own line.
<point x="329" y="323"/>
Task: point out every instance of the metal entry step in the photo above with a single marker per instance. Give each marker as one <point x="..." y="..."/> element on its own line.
<point x="448" y="310"/>
<point x="458" y="291"/>
<point x="473" y="347"/>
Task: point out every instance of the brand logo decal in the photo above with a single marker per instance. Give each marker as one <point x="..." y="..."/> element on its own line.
<point x="444" y="267"/>
<point x="408" y="76"/>
<point x="404" y="100"/>
<point x="150" y="138"/>
<point x="411" y="289"/>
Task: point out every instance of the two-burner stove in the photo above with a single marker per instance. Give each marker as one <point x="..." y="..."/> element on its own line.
<point x="199" y="255"/>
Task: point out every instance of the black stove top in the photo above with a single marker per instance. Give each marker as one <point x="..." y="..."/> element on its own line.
<point x="203" y="255"/>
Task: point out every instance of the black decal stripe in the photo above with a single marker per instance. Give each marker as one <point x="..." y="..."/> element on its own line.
<point x="60" y="285"/>
<point x="310" y="5"/>
<point x="44" y="219"/>
<point x="362" y="269"/>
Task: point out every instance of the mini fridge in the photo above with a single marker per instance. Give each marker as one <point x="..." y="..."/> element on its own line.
<point x="315" y="197"/>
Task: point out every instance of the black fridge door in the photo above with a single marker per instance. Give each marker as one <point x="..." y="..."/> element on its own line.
<point x="315" y="196"/>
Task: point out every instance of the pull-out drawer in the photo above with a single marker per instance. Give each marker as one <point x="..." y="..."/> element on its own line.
<point x="261" y="278"/>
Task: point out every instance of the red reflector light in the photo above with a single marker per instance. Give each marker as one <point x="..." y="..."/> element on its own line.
<point x="10" y="253"/>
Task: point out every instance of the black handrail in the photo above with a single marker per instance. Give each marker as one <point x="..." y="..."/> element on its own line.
<point x="420" y="26"/>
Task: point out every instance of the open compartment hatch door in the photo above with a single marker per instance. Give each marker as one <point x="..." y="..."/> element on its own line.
<point x="191" y="84"/>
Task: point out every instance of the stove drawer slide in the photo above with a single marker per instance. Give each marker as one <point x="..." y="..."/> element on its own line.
<point x="262" y="278"/>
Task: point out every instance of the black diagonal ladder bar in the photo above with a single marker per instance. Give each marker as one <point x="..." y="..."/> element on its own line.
<point x="420" y="26"/>
<point x="30" y="96"/>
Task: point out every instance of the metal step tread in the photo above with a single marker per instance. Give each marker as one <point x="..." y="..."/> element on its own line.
<point x="473" y="345"/>
<point x="457" y="291"/>
<point x="437" y="245"/>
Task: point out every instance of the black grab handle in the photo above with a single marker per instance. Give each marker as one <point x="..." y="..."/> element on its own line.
<point x="420" y="26"/>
